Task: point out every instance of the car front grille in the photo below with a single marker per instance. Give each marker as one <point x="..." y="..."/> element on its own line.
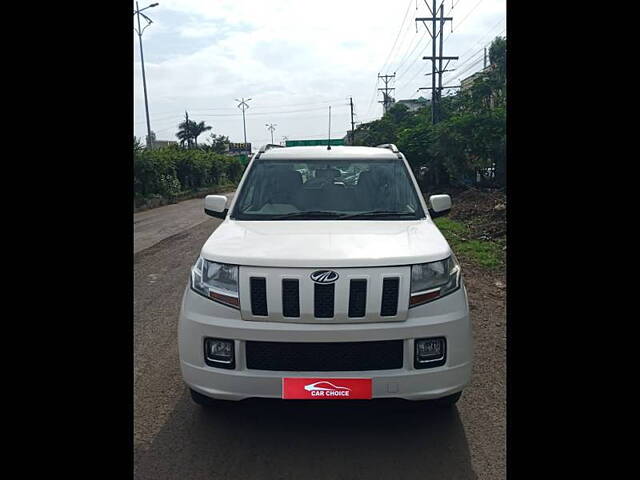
<point x="324" y="357"/>
<point x="357" y="298"/>
<point x="259" y="296"/>
<point x="290" y="298"/>
<point x="323" y="300"/>
<point x="357" y="295"/>
<point x="389" y="306"/>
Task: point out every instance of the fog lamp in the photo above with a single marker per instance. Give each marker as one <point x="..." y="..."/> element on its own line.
<point x="430" y="352"/>
<point x="219" y="353"/>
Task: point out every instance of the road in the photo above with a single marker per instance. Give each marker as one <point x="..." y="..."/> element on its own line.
<point x="271" y="439"/>
<point x="152" y="226"/>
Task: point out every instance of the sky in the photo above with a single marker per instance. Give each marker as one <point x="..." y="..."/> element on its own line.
<point x="294" y="59"/>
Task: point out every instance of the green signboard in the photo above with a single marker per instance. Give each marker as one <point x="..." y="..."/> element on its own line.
<point x="244" y="159"/>
<point x="311" y="143"/>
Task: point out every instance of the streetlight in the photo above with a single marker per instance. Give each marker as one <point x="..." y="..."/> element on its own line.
<point x="243" y="104"/>
<point x="271" y="127"/>
<point x="139" y="31"/>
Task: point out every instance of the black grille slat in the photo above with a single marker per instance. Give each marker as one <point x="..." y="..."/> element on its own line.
<point x="324" y="357"/>
<point x="323" y="300"/>
<point x="259" y="296"/>
<point x="290" y="298"/>
<point x="357" y="298"/>
<point x="389" y="306"/>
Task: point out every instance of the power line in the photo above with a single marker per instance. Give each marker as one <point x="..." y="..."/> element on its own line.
<point x="465" y="17"/>
<point x="406" y="14"/>
<point x="459" y="74"/>
<point x="418" y="57"/>
<point x="282" y="112"/>
<point x="373" y="96"/>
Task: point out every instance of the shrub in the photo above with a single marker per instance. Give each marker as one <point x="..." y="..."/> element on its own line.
<point x="169" y="170"/>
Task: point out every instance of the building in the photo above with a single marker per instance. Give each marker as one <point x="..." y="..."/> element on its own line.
<point x="466" y="83"/>
<point x="163" y="143"/>
<point x="414" y="104"/>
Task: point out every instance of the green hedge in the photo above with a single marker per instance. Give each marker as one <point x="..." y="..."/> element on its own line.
<point x="168" y="171"/>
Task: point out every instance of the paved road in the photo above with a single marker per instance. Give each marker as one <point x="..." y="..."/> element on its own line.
<point x="152" y="226"/>
<point x="267" y="439"/>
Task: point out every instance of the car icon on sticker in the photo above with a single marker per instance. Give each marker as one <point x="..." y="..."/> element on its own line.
<point x="323" y="385"/>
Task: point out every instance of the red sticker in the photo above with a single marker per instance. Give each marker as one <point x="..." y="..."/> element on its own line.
<point x="326" y="388"/>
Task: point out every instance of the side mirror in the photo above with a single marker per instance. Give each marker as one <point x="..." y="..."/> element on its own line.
<point x="440" y="205"/>
<point x="214" y="205"/>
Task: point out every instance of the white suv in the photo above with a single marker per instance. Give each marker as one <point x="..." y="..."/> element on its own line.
<point x="334" y="285"/>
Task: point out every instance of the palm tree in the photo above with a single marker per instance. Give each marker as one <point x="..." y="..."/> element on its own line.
<point x="185" y="132"/>
<point x="198" y="129"/>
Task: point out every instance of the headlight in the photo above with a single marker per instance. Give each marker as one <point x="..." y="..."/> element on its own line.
<point x="433" y="280"/>
<point x="216" y="281"/>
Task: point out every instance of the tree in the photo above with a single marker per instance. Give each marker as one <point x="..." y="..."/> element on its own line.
<point x="198" y="129"/>
<point x="470" y="135"/>
<point x="185" y="132"/>
<point x="219" y="143"/>
<point x="137" y="145"/>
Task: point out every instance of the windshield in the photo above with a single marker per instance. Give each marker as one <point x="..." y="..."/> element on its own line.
<point x="328" y="190"/>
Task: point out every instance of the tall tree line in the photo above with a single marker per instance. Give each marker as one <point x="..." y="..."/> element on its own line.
<point x="470" y="139"/>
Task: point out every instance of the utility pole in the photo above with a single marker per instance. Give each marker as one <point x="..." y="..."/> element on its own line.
<point x="271" y="127"/>
<point x="484" y="65"/>
<point x="243" y="105"/>
<point x="386" y="98"/>
<point x="139" y="31"/>
<point x="353" y="128"/>
<point x="436" y="68"/>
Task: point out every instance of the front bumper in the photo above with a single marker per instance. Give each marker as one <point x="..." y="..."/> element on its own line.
<point x="447" y="317"/>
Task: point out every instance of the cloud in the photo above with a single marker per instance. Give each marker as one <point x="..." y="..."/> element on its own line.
<point x="201" y="55"/>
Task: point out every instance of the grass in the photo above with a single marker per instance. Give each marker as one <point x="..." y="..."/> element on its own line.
<point x="484" y="253"/>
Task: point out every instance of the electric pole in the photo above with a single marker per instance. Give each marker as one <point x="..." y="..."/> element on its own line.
<point x="436" y="33"/>
<point x="243" y="105"/>
<point x="139" y="31"/>
<point x="386" y="98"/>
<point x="484" y="65"/>
<point x="271" y="127"/>
<point x="353" y="128"/>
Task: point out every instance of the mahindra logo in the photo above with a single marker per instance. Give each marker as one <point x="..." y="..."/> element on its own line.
<point x="324" y="276"/>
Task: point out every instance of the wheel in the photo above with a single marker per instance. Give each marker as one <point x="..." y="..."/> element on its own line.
<point x="446" y="402"/>
<point x="201" y="399"/>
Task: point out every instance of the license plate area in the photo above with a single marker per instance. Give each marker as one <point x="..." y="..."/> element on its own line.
<point x="296" y="388"/>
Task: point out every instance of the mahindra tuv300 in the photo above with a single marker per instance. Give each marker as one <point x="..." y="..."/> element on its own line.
<point x="328" y="280"/>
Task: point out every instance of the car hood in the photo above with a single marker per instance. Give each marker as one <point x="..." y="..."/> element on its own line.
<point x="326" y="243"/>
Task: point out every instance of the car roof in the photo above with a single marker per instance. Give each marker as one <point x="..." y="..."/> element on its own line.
<point x="322" y="153"/>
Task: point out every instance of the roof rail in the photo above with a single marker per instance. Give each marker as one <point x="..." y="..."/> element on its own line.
<point x="266" y="147"/>
<point x="390" y="146"/>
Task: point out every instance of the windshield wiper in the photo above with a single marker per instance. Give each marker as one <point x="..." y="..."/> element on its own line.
<point x="311" y="213"/>
<point x="379" y="213"/>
